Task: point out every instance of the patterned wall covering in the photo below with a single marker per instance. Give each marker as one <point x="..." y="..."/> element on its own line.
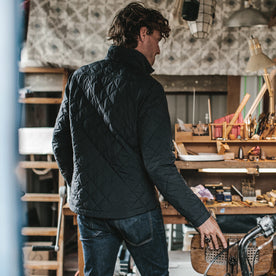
<point x="71" y="33"/>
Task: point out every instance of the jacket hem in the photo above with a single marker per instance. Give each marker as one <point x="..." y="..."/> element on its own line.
<point x="107" y="215"/>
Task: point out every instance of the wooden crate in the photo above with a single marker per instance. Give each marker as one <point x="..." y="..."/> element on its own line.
<point x="30" y="255"/>
<point x="183" y="136"/>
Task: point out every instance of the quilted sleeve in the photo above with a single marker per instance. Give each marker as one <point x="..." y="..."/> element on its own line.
<point x="156" y="147"/>
<point x="62" y="143"/>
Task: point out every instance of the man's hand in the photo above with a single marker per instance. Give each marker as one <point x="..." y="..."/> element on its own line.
<point x="210" y="232"/>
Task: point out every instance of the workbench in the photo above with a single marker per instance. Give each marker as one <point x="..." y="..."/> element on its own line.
<point x="205" y="144"/>
<point x="172" y="216"/>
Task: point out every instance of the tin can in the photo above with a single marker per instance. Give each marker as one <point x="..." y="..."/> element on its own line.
<point x="219" y="195"/>
<point x="227" y="194"/>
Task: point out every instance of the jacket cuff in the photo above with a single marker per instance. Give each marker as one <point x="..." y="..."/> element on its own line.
<point x="201" y="219"/>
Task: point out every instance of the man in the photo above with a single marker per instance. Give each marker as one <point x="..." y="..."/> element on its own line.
<point x="112" y="142"/>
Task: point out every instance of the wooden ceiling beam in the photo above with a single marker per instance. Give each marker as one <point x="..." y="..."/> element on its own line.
<point x="203" y="83"/>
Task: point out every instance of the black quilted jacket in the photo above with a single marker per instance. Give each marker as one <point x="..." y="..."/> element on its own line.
<point x="112" y="141"/>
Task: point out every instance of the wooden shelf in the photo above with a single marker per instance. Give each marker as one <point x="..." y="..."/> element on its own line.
<point x="40" y="100"/>
<point x="67" y="211"/>
<point x="44" y="80"/>
<point x="171" y="215"/>
<point x="38" y="165"/>
<point x="42" y="70"/>
<point x="207" y="140"/>
<point x="44" y="265"/>
<point x="39" y="231"/>
<point x="202" y="83"/>
<point x="225" y="164"/>
<point x="204" y="144"/>
<point x="234" y="210"/>
<point x="34" y="197"/>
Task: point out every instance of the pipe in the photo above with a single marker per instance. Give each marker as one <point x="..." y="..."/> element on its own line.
<point x="62" y="194"/>
<point x="243" y="249"/>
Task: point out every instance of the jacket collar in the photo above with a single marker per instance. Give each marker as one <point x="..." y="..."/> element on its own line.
<point x="131" y="58"/>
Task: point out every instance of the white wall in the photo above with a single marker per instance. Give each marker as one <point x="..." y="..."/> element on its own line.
<point x="10" y="246"/>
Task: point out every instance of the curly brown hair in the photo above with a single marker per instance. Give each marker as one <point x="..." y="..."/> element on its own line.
<point x="125" y="28"/>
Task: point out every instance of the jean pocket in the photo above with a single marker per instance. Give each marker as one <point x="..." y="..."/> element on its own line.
<point x="91" y="228"/>
<point x="137" y="230"/>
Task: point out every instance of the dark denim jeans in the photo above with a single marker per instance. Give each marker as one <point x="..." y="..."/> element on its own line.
<point x="144" y="236"/>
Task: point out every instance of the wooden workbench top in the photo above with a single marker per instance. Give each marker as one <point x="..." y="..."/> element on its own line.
<point x="225" y="164"/>
<point x="171" y="215"/>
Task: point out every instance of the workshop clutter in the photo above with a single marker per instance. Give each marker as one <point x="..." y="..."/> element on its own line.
<point x="260" y="129"/>
<point x="232" y="126"/>
<point x="223" y="129"/>
<point x="188" y="130"/>
<point x="223" y="150"/>
<point x="220" y="125"/>
<point x="212" y="194"/>
<point x="269" y="197"/>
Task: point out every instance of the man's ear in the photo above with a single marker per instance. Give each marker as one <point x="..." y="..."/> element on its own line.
<point x="143" y="33"/>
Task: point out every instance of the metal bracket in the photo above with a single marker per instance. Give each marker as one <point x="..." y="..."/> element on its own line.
<point x="232" y="258"/>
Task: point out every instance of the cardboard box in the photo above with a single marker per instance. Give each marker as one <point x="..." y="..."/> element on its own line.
<point x="30" y="255"/>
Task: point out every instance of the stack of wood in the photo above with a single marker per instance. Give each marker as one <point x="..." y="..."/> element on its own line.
<point x="270" y="197"/>
<point x="224" y="149"/>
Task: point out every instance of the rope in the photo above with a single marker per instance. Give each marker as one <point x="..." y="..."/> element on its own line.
<point x="39" y="171"/>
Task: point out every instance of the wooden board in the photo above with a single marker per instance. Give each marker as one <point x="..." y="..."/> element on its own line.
<point x="220" y="209"/>
<point x="41" y="100"/>
<point x="39" y="197"/>
<point x="177" y="83"/>
<point x="38" y="165"/>
<point x="224" y="164"/>
<point x="233" y="93"/>
<point x="39" y="231"/>
<point x="50" y="70"/>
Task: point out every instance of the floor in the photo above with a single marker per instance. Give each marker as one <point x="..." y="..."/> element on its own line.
<point x="179" y="265"/>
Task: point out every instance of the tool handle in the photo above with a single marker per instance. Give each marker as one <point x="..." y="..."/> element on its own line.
<point x="236" y="114"/>
<point x="43" y="248"/>
<point x="62" y="194"/>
